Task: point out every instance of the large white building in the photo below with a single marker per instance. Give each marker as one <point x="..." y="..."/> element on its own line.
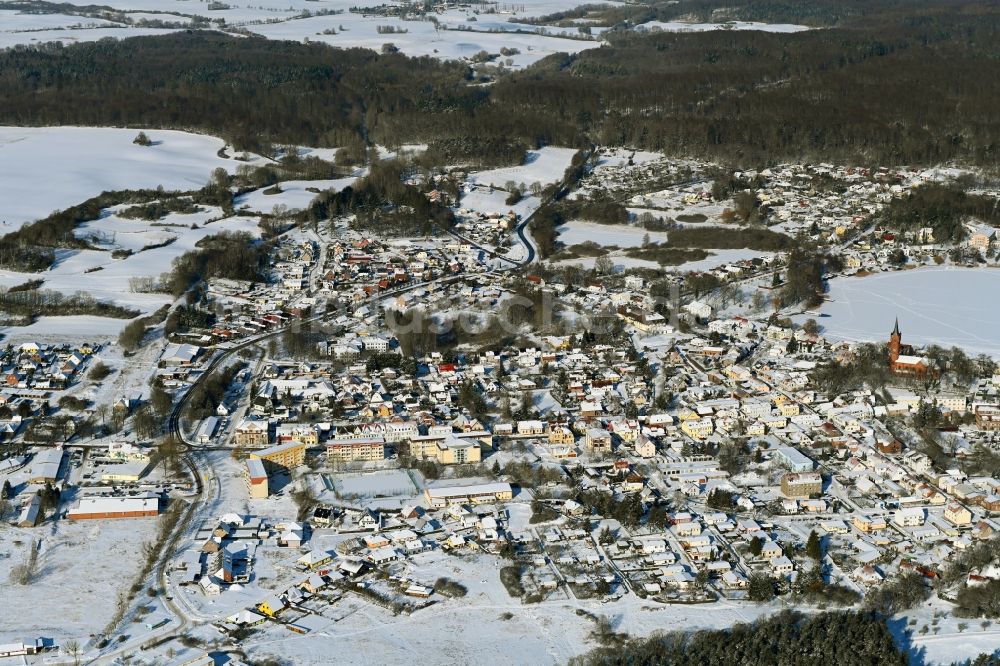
<point x="89" y="508"/>
<point x="482" y="493"/>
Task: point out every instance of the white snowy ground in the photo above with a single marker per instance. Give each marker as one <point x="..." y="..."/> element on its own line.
<point x="285" y="19"/>
<point x="486" y="202"/>
<point x="461" y="32"/>
<point x="388" y="483"/>
<point x="619" y="157"/>
<point x="626" y="236"/>
<point x="942" y="642"/>
<point x="13" y="21"/>
<point x="619" y="235"/>
<point x="943" y="306"/>
<point x="294" y="195"/>
<point x="30" y="29"/>
<point x="111" y="283"/>
<point x="81" y="567"/>
<point x="47" y="169"/>
<point x="720" y="257"/>
<point x="544" y="166"/>
<point x="677" y="26"/>
<point x="546" y="633"/>
<point x="422" y="38"/>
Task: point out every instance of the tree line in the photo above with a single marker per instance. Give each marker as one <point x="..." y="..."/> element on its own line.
<point x="787" y="637"/>
<point x="34" y="303"/>
<point x="856" y="93"/>
<point x="230" y="255"/>
<point x="944" y="207"/>
<point x="384" y="198"/>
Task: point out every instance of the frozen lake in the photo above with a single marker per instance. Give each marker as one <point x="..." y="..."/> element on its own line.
<point x="943" y="306"/>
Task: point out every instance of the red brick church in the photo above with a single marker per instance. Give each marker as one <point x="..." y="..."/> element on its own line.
<point x="902" y="360"/>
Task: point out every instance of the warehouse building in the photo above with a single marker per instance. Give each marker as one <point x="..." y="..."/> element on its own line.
<point x="92" y="508"/>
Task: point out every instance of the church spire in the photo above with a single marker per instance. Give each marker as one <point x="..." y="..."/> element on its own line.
<point x="895" y="329"/>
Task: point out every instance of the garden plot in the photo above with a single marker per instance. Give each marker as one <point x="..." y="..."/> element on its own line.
<point x="389" y="483"/>
<point x="46" y="169"/>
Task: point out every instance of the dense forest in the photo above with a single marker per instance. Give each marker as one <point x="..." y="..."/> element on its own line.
<point x="230" y="255"/>
<point x="943" y="208"/>
<point x="254" y="92"/>
<point x="383" y="198"/>
<point x="829" y="639"/>
<point x="885" y="86"/>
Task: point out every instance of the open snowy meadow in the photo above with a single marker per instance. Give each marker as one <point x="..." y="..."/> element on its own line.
<point x="457" y="32"/>
<point x="48" y="169"/>
<point x="51" y="168"/>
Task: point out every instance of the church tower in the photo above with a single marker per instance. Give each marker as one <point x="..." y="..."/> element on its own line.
<point x="895" y="342"/>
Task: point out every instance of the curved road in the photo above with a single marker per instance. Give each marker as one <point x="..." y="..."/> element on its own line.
<point x="220" y="357"/>
<point x="189" y="449"/>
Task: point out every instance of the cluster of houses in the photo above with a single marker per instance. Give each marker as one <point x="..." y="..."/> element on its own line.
<point x="251" y="308"/>
<point x="32" y="367"/>
<point x="468" y="519"/>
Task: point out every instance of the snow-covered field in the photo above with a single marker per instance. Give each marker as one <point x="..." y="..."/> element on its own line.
<point x="619" y="157"/>
<point x="943" y="306"/>
<point x="77" y="327"/>
<point x="71" y="596"/>
<point x="12" y="21"/>
<point x="620" y="235"/>
<point x="27" y="29"/>
<point x="460" y="32"/>
<point x="546" y="633"/>
<point x="294" y="195"/>
<point x="715" y="259"/>
<point x="423" y="38"/>
<point x="47" y="169"/>
<point x="626" y="236"/>
<point x="389" y="483"/>
<point x="74" y="271"/>
<point x="544" y="166"/>
<point x="678" y="26"/>
<point x="486" y="202"/>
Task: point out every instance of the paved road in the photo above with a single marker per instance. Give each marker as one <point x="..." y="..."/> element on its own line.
<point x="221" y="356"/>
